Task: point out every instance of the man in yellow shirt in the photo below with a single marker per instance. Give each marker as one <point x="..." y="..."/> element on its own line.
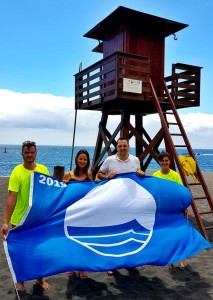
<point x="18" y="199"/>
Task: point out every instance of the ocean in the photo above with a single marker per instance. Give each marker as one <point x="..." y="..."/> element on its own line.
<point x="61" y="156"/>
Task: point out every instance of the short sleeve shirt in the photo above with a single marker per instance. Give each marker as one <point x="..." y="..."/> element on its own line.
<point x="114" y="164"/>
<point x="172" y="175"/>
<point x="19" y="182"/>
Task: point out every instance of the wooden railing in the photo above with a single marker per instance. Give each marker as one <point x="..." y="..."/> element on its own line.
<point x="103" y="81"/>
<point x="184" y="84"/>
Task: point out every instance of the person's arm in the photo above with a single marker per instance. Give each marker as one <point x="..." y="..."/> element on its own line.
<point x="109" y="175"/>
<point x="66" y="177"/>
<point x="90" y="175"/>
<point x="104" y="172"/>
<point x="140" y="173"/>
<point x="102" y="175"/>
<point x="10" y="206"/>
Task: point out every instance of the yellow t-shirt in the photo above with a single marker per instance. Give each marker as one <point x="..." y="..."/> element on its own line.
<point x="172" y="175"/>
<point x="19" y="182"/>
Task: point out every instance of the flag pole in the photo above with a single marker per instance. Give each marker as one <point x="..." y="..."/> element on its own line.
<point x="73" y="140"/>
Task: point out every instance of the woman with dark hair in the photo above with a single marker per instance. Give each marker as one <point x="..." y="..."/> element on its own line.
<point x="80" y="173"/>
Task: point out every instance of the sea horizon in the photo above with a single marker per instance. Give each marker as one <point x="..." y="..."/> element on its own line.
<point x="79" y="146"/>
<point x="57" y="155"/>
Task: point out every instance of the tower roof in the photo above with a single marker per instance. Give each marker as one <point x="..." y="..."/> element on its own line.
<point x="148" y="23"/>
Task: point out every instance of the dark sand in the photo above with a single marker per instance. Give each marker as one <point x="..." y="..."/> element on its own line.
<point x="152" y="282"/>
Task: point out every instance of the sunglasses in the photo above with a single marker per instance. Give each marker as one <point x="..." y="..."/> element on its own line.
<point x="28" y="144"/>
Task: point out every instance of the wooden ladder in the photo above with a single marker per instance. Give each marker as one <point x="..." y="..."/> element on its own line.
<point x="202" y="205"/>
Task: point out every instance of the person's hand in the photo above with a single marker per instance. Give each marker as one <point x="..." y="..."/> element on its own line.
<point x="186" y="213"/>
<point x="111" y="175"/>
<point x="4" y="230"/>
<point x="140" y="173"/>
<point x="65" y="181"/>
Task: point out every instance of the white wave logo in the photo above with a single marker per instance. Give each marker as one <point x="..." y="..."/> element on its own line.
<point x="114" y="219"/>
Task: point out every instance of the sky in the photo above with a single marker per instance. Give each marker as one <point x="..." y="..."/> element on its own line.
<point x="42" y="46"/>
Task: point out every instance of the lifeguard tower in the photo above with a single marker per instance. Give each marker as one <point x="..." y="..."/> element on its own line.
<point x="129" y="82"/>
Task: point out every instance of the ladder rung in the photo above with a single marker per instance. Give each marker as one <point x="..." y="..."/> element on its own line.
<point x="169" y="113"/>
<point x="172" y="123"/>
<point x="199" y="198"/>
<point x="181" y="146"/>
<point x="208" y="227"/>
<point x="195" y="183"/>
<point x="206" y="212"/>
<point x="177" y="134"/>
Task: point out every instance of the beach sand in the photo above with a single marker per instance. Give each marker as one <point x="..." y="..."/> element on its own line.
<point x="161" y="283"/>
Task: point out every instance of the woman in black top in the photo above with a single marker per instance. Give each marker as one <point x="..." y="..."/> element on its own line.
<point x="80" y="173"/>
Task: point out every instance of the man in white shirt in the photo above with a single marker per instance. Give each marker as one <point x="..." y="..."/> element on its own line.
<point x="121" y="162"/>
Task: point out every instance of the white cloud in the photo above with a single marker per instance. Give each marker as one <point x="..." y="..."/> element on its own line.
<point x="198" y="122"/>
<point x="49" y="120"/>
<point x="198" y="127"/>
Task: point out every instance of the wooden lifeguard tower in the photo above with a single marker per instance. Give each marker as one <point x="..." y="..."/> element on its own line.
<point x="129" y="82"/>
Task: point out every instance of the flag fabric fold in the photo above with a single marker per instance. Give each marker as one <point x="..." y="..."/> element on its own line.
<point x="127" y="221"/>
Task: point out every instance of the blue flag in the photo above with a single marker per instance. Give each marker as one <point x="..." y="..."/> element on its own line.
<point x="127" y="221"/>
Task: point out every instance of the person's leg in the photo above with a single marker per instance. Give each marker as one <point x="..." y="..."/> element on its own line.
<point x="133" y="270"/>
<point x="45" y="285"/>
<point x="183" y="263"/>
<point x="20" y="291"/>
<point x="110" y="272"/>
<point x="82" y="275"/>
<point x="20" y="286"/>
<point x="170" y="266"/>
<point x="70" y="274"/>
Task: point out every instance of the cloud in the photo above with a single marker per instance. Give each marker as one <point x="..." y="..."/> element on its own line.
<point x="35" y="110"/>
<point x="199" y="122"/>
<point x="50" y="120"/>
